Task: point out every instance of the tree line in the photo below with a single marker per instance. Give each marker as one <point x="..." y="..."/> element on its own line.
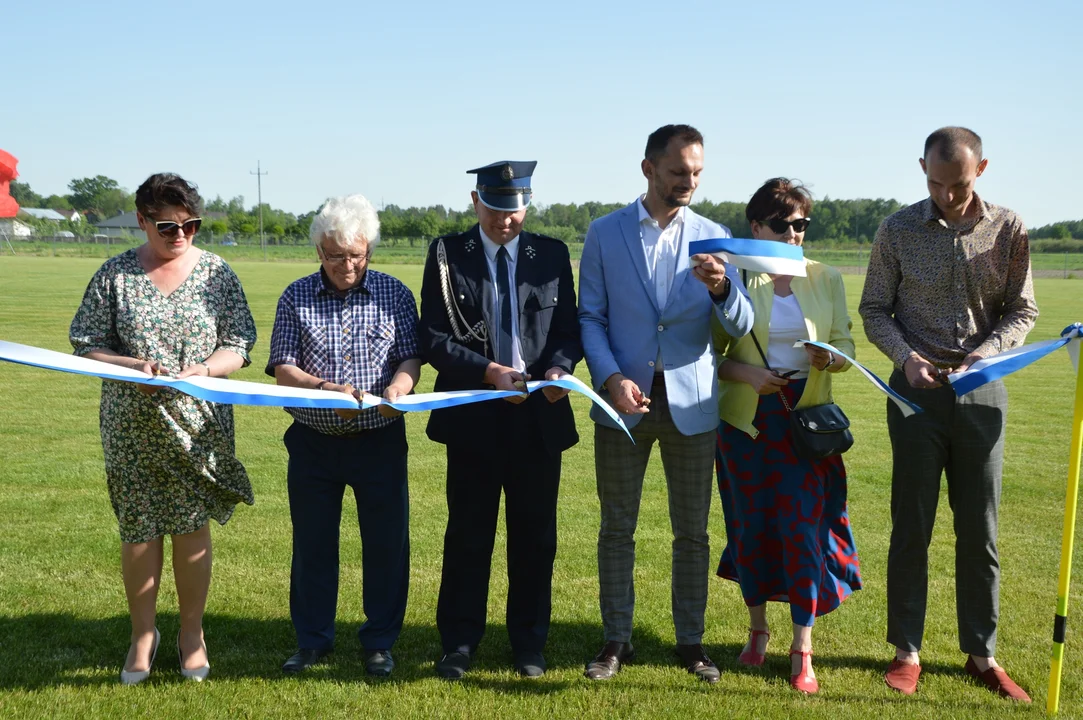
<point x="835" y="221"/>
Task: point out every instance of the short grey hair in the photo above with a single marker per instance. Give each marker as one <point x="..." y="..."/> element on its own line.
<point x="345" y="221"/>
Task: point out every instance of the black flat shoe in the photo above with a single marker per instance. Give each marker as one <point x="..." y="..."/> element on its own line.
<point x="453" y="666"/>
<point x="303" y="659"/>
<point x="530" y="664"/>
<point x="695" y="661"/>
<point x="610" y="660"/>
<point x="379" y="663"/>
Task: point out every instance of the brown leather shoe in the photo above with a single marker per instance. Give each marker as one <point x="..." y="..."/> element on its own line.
<point x="997" y="680"/>
<point x="609" y="661"/>
<point x="696" y="662"/>
<point x="902" y="676"/>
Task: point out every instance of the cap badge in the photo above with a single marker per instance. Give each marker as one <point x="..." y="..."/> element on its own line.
<point x="507" y="173"/>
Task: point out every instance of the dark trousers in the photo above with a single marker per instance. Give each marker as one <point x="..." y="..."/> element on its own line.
<point x="530" y="479"/>
<point x="962" y="438"/>
<point x="373" y="464"/>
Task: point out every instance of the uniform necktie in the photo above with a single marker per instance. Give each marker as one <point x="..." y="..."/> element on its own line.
<point x="503" y="288"/>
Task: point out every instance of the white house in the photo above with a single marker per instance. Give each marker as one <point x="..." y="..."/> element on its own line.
<point x="73" y="215"/>
<point x="13" y="228"/>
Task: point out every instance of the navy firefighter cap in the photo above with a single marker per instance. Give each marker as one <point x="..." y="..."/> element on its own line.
<point x="505" y="185"/>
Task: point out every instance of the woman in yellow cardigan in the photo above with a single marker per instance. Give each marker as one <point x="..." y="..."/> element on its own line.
<point x="786" y="519"/>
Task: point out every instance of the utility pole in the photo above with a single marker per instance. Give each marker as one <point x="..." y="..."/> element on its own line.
<point x="259" y="199"/>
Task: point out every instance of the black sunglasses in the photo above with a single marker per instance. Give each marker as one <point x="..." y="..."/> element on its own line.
<point x="168" y="228"/>
<point x="779" y="225"/>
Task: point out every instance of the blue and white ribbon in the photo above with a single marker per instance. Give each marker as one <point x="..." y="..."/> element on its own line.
<point x="999" y="366"/>
<point x="905" y="406"/>
<point x="239" y="392"/>
<point x="768" y="256"/>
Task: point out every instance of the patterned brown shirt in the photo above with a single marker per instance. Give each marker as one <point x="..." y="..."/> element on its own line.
<point x="945" y="291"/>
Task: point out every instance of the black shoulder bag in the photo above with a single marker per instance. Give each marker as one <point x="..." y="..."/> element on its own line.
<point x="818" y="432"/>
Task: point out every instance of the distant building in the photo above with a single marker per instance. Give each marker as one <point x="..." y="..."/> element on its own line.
<point x="13" y="228"/>
<point x="124" y="225"/>
<point x="72" y="215"/>
<point x="42" y="214"/>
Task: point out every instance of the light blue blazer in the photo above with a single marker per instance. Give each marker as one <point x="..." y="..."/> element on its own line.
<point x="623" y="327"/>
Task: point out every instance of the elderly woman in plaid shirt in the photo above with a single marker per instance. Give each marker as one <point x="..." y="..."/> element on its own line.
<point x="348" y="329"/>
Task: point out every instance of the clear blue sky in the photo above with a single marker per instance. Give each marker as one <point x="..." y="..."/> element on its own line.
<point x="397" y="99"/>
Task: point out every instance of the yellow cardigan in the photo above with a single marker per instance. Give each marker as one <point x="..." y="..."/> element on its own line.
<point x="822" y="297"/>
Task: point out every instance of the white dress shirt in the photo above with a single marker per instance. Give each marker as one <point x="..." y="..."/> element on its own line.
<point x="491" y="249"/>
<point x="660" y="246"/>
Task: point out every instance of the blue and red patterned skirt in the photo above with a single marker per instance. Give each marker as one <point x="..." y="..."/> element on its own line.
<point x="786" y="519"/>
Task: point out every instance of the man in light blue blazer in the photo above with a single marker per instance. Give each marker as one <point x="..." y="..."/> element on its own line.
<point x="645" y="316"/>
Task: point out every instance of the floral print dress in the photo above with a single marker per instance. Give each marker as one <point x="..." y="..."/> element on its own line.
<point x="169" y="457"/>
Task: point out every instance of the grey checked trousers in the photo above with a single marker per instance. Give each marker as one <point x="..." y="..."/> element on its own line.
<point x="688" y="461"/>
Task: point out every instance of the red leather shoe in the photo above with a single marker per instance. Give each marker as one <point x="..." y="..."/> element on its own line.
<point x="804" y="681"/>
<point x="996" y="680"/>
<point x="750" y="657"/>
<point x="902" y="677"/>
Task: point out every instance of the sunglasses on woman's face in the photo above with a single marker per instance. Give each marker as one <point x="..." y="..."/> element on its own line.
<point x="168" y="228"/>
<point x="779" y="225"/>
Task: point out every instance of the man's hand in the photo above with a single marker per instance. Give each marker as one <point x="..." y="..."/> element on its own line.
<point x="553" y="393"/>
<point x="152" y="369"/>
<point x="503" y="377"/>
<point x="967" y="362"/>
<point x="921" y="373"/>
<point x="764" y="381"/>
<point x="711" y="272"/>
<point x="391" y="394"/>
<point x="349" y="390"/>
<point x="627" y="398"/>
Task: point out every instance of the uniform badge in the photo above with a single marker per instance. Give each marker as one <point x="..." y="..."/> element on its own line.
<point x="507" y="173"/>
<point x="530" y="251"/>
<point x="470" y="245"/>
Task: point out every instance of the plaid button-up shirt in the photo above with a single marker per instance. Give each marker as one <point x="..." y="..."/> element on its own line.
<point x="358" y="338"/>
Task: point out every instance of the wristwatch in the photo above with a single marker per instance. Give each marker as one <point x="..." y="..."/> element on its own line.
<point x="831" y="360"/>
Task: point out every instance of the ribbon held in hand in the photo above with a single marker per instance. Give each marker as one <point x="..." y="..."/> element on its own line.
<point x="768" y="256"/>
<point x="905" y="406"/>
<point x="999" y="366"/>
<point x="240" y="392"/>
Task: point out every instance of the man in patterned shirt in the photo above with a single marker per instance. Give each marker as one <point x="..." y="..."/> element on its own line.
<point x="948" y="284"/>
<point x="353" y="330"/>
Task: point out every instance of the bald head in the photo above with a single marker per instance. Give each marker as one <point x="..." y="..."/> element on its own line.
<point x="953" y="144"/>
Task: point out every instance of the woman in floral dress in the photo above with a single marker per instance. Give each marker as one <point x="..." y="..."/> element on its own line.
<point x="167" y="307"/>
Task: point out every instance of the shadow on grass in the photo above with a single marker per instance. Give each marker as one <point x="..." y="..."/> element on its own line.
<point x="52" y="650"/>
<point x="46" y="650"/>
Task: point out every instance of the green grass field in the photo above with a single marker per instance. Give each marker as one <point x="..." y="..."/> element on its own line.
<point x="401" y="250"/>
<point x="64" y="627"/>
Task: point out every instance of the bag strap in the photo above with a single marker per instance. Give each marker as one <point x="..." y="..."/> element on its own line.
<point x="785" y="403"/>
